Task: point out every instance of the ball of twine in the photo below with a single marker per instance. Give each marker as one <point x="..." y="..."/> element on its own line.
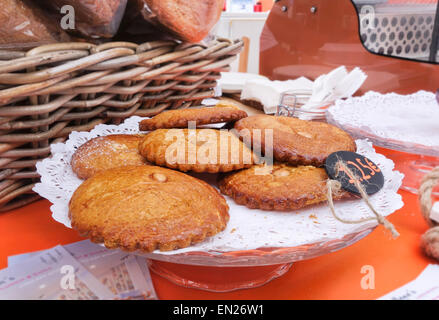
<point x="430" y="240"/>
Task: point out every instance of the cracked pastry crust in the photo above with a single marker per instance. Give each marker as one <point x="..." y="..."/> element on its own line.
<point x="295" y="141"/>
<point x="198" y="150"/>
<point x="280" y="187"/>
<point x="201" y="116"/>
<point x="144" y="208"/>
<point x="106" y="152"/>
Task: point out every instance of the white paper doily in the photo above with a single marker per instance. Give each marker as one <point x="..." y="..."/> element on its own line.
<point x="247" y="229"/>
<point x="407" y="123"/>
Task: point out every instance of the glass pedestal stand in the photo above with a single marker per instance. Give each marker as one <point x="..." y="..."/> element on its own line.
<point x="230" y="271"/>
<point x="413" y="166"/>
<point x="218" y="279"/>
<point x="411" y="159"/>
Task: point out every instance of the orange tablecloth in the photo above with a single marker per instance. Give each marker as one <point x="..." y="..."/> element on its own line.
<point x="333" y="276"/>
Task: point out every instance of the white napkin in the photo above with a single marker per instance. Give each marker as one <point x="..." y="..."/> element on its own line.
<point x="233" y="82"/>
<point x="325" y="90"/>
<point x="337" y="84"/>
<point x="268" y="93"/>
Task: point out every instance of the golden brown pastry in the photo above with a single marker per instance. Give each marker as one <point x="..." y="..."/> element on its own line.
<point x="146" y="208"/>
<point x="298" y="142"/>
<point x="106" y="152"/>
<point x="278" y="187"/>
<point x="201" y="116"/>
<point x="190" y="20"/>
<point x="199" y="150"/>
<point x="24" y="25"/>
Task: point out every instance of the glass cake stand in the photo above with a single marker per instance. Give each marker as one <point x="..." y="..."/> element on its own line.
<point x="230" y="271"/>
<point x="226" y="270"/>
<point x="411" y="159"/>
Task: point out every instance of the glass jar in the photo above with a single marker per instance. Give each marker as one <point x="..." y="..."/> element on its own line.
<point x="292" y="102"/>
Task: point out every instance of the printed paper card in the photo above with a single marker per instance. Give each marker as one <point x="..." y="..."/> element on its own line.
<point x="51" y="275"/>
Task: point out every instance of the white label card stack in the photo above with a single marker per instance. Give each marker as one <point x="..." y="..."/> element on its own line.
<point x="81" y="270"/>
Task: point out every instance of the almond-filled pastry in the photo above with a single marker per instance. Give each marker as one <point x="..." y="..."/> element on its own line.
<point x="189" y="20"/>
<point x="144" y="208"/>
<point x="106" y="152"/>
<point x="279" y="187"/>
<point x="181" y="118"/>
<point x="298" y="142"/>
<point x="198" y="150"/>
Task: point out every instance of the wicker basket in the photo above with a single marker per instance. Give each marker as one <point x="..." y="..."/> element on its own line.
<point x="52" y="90"/>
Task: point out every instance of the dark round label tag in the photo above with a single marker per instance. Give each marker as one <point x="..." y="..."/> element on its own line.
<point x="368" y="174"/>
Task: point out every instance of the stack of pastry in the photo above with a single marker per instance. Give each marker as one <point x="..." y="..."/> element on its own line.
<point x="296" y="179"/>
<point x="138" y="194"/>
<point x="27" y="23"/>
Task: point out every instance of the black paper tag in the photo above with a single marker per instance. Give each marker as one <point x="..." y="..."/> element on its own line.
<point x="368" y="173"/>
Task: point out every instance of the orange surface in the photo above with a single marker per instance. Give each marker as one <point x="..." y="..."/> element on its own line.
<point x="333" y="276"/>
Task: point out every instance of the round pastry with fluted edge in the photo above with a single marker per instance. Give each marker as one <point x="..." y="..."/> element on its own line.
<point x="182" y="118"/>
<point x="296" y="141"/>
<point x="144" y="208"/>
<point x="107" y="152"/>
<point x="279" y="187"/>
<point x="198" y="150"/>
